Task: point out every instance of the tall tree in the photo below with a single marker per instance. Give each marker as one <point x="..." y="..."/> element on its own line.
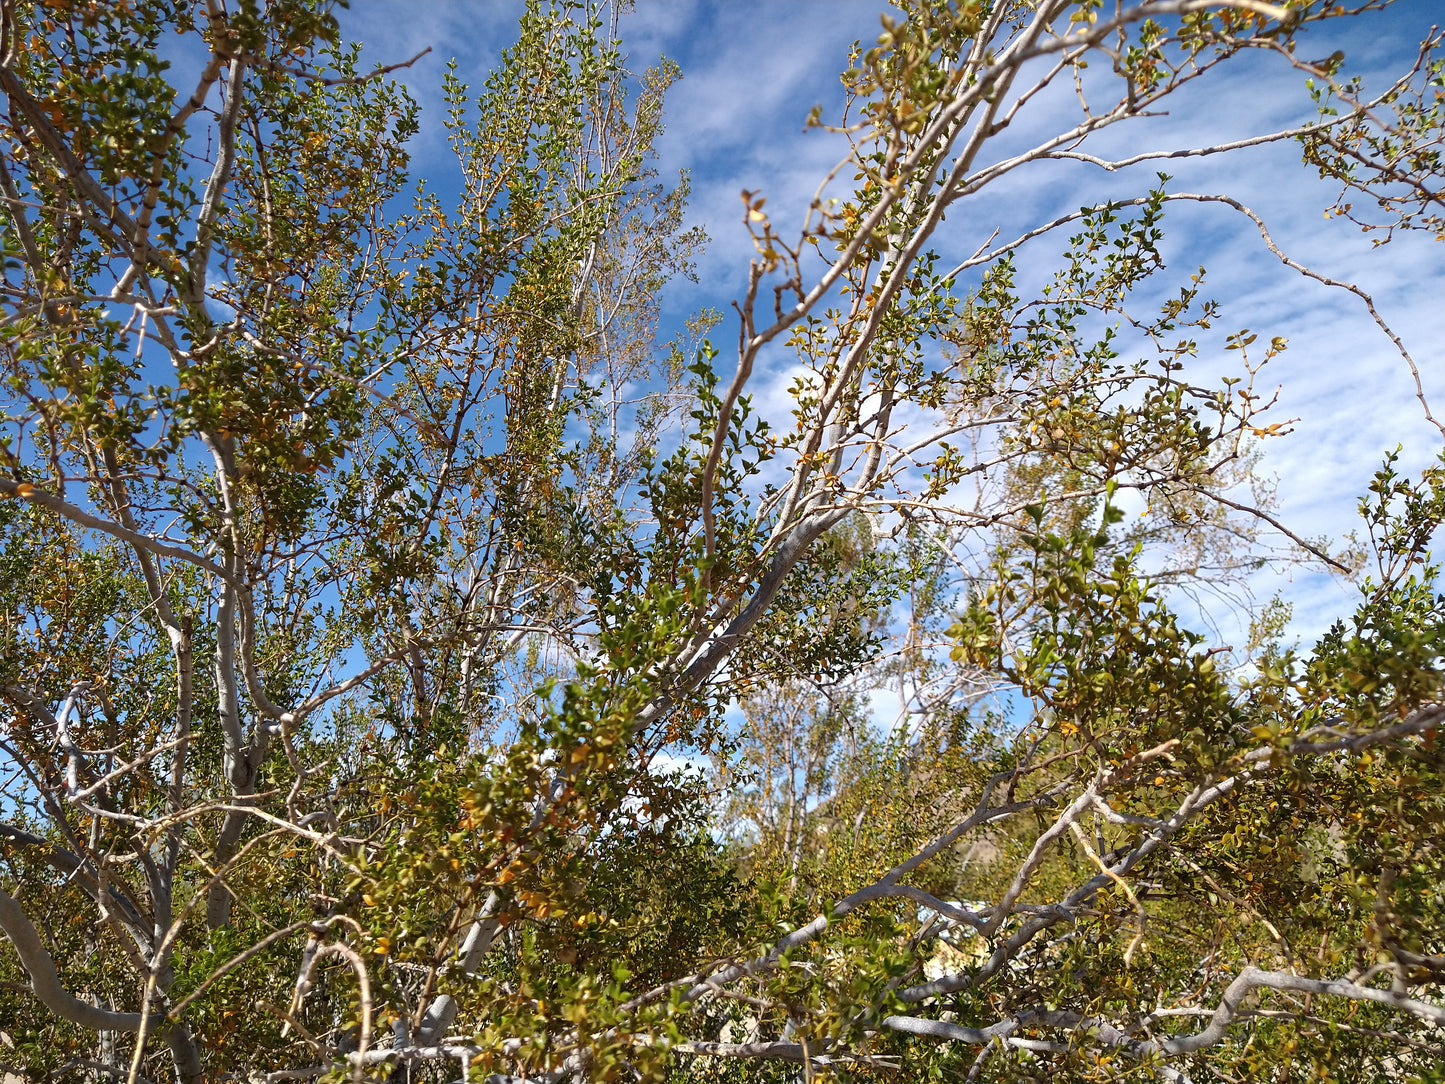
<point x="350" y="604"/>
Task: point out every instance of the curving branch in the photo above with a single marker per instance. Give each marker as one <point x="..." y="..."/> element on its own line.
<point x="1251" y="979"/>
<point x="45" y="980"/>
<point x="83" y="518"/>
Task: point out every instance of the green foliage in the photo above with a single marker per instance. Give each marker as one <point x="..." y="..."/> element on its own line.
<point x="370" y="574"/>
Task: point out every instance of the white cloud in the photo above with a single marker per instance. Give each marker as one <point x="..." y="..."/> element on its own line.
<point x="752" y="72"/>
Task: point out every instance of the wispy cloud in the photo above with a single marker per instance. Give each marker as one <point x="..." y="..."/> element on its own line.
<point x="752" y="72"/>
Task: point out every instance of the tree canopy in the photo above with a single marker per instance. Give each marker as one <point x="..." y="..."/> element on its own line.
<point x="371" y="558"/>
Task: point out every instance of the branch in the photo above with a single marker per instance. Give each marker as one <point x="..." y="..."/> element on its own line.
<point x="1251" y="979"/>
<point x="78" y="515"/>
<point x="195" y="287"/>
<point x="1280" y="527"/>
<point x="45" y="981"/>
<point x="77" y="870"/>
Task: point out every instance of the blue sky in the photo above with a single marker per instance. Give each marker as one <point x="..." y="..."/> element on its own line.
<point x="752" y="71"/>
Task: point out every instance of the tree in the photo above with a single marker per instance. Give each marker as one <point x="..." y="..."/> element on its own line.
<point x="351" y="605"/>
